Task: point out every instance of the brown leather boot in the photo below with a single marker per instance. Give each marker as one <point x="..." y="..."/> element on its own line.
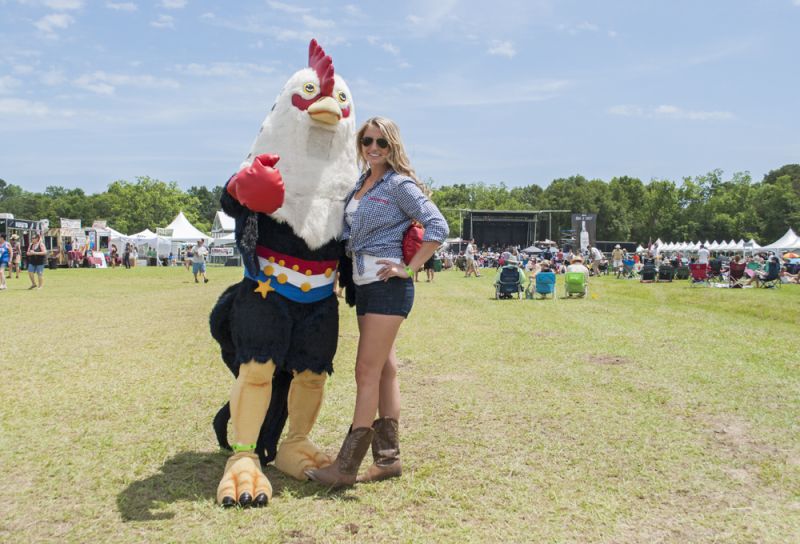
<point x="385" y="451"/>
<point x="344" y="470"/>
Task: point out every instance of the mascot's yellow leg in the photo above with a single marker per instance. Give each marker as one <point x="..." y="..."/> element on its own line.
<point x="296" y="452"/>
<point x="243" y="481"/>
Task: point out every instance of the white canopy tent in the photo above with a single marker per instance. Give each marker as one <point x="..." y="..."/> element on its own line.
<point x="148" y="238"/>
<point x="789" y="241"/>
<point x="184" y="231"/>
<point x="227" y="240"/>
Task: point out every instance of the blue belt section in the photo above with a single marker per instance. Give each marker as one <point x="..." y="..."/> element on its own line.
<point x="293" y="292"/>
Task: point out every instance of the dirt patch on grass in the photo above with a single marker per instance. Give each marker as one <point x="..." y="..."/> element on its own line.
<point x="609" y="360"/>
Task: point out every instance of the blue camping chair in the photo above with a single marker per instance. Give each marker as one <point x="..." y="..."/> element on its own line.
<point x="545" y="285"/>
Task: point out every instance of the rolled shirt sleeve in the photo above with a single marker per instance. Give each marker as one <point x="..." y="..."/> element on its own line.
<point x="416" y="205"/>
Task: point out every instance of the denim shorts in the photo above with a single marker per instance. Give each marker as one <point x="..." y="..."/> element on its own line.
<point x="393" y="297"/>
<point x="198" y="267"/>
<point x="36" y="268"/>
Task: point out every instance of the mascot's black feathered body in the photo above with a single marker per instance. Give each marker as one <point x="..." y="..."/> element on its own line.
<point x="278" y="327"/>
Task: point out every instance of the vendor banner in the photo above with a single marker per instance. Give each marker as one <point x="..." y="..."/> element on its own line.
<point x="102" y="225"/>
<point x="165" y="233"/>
<point x="70" y="223"/>
<point x="221" y="252"/>
<point x="584" y="225"/>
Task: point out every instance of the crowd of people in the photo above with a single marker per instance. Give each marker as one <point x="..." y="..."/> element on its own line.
<point x="622" y="263"/>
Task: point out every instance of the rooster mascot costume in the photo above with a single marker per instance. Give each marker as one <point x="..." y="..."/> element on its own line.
<point x="278" y="327"/>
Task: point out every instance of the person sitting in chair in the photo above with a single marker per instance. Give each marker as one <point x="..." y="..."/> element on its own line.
<point x="772" y="272"/>
<point x="512" y="265"/>
<point x="577" y="266"/>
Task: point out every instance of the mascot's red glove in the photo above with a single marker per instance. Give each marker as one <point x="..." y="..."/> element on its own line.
<point x="259" y="187"/>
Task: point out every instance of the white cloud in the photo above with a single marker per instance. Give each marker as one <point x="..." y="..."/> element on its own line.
<point x="315" y="23"/>
<point x="17" y="106"/>
<point x="163" y="21"/>
<point x="796" y="2"/>
<point x="8" y="83"/>
<point x="104" y="83"/>
<point x="208" y="15"/>
<point x="173" y="4"/>
<point x="435" y="17"/>
<point x="612" y="34"/>
<point x="122" y="6"/>
<point x="668" y="111"/>
<point x="287" y="8"/>
<point x="503" y="49"/>
<point x="63" y="5"/>
<point x="52" y="77"/>
<point x="626" y="110"/>
<point x="49" y="23"/>
<point x="224" y="69"/>
<point x="24" y="69"/>
<point x="386" y="46"/>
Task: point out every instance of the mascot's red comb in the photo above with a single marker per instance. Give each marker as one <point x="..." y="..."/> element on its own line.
<point x="323" y="66"/>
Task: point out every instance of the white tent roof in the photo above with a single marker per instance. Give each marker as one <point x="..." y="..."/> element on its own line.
<point x="790" y="240"/>
<point x="223" y="221"/>
<point x="146" y="234"/>
<point x="183" y="231"/>
<point x="227" y="240"/>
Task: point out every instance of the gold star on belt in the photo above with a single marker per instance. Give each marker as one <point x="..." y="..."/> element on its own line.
<point x="264" y="288"/>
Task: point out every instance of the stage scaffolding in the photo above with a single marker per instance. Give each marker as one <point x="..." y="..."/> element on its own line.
<point x="513" y="227"/>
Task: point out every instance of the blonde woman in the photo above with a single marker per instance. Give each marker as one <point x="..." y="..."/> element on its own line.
<point x="379" y="210"/>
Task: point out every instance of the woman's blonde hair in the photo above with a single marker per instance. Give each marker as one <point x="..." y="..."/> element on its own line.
<point x="397" y="158"/>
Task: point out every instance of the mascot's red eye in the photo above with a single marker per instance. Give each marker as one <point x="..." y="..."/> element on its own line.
<point x="309" y="88"/>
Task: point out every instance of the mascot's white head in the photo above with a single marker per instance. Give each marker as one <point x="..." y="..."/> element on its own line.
<point x="312" y="128"/>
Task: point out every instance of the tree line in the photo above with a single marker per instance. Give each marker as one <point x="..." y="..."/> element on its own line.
<point x="711" y="206"/>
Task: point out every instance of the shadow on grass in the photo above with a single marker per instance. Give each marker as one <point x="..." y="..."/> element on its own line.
<point x="194" y="476"/>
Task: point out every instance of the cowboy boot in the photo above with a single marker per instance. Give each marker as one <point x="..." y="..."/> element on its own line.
<point x="385" y="451"/>
<point x="297" y="453"/>
<point x="344" y="470"/>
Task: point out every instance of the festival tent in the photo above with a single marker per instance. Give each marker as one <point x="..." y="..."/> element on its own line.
<point x="531" y="250"/>
<point x="227" y="240"/>
<point x="150" y="239"/>
<point x="790" y="240"/>
<point x="184" y="231"/>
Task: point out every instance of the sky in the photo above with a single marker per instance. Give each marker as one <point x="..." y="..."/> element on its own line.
<point x="516" y="92"/>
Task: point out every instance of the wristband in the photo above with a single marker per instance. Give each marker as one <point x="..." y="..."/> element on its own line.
<point x="409" y="271"/>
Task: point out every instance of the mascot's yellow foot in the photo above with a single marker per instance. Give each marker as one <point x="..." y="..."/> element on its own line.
<point x="243" y="482"/>
<point x="296" y="455"/>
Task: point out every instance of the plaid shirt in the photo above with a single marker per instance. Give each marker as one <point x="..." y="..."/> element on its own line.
<point x="385" y="213"/>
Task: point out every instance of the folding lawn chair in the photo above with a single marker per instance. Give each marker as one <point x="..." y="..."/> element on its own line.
<point x="666" y="273"/>
<point x="508" y="284"/>
<point x="545" y="285"/>
<point x="575" y="284"/>
<point x="699" y="274"/>
<point x="628" y="269"/>
<point x="736" y="274"/>
<point x="648" y="273"/>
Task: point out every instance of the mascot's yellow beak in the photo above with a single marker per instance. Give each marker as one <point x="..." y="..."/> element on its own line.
<point x="325" y="110"/>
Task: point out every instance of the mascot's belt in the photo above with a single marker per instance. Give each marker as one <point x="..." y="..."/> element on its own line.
<point x="296" y="279"/>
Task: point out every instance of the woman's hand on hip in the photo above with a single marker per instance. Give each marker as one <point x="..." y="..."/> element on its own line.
<point x="391" y="269"/>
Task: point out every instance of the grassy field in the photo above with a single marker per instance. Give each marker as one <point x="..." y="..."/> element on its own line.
<point x="644" y="413"/>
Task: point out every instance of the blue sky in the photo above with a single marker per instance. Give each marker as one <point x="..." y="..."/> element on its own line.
<point x="514" y="92"/>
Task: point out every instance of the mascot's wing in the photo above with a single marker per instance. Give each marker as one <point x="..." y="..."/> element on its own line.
<point x="246" y="229"/>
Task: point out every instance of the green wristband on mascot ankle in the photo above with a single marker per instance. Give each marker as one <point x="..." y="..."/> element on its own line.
<point x="409" y="271"/>
<point x="239" y="448"/>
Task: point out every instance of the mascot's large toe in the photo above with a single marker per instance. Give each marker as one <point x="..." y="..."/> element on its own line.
<point x="278" y="327"/>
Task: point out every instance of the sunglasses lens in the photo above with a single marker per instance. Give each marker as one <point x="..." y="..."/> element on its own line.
<point x="366" y="141"/>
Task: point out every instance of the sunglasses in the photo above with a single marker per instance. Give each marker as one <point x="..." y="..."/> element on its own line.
<point x="366" y="141"/>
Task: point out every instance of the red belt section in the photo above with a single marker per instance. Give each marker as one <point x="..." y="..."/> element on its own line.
<point x="316" y="267"/>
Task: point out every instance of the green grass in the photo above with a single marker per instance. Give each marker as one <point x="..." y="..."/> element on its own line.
<point x="644" y="413"/>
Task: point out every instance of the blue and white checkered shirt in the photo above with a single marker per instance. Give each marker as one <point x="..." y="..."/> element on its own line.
<point x="385" y="213"/>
